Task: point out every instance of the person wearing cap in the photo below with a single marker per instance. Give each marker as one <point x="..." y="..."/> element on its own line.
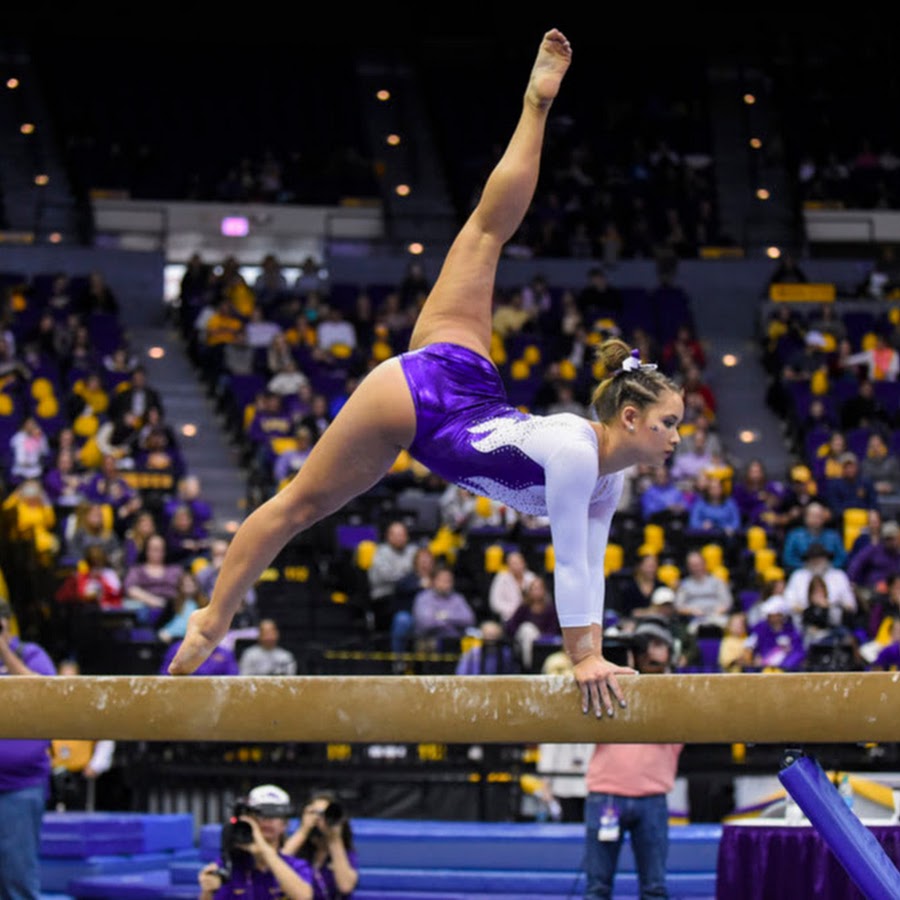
<point x="662" y="611"/>
<point x="24" y="775"/>
<point x="324" y="840"/>
<point x="815" y="529"/>
<point x="261" y="869"/>
<point x="774" y="641"/>
<point x="817" y="560"/>
<point x="628" y="787"/>
<point x="877" y="563"/>
<point x="851" y="490"/>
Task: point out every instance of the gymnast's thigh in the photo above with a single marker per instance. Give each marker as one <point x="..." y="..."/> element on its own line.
<point x="360" y="445"/>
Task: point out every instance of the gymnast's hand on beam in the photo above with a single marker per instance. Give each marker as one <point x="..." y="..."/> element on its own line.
<point x="597" y="678"/>
<point x="204" y="634"/>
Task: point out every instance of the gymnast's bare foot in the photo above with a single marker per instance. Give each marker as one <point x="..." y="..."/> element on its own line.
<point x="202" y="637"/>
<point x="553" y="58"/>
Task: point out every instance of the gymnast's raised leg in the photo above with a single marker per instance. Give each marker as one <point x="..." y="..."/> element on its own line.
<point x="379" y="418"/>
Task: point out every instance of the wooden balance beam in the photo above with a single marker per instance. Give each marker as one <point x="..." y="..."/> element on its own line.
<point x="840" y="707"/>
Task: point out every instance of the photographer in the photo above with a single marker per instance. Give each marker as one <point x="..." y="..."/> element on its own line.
<point x="325" y="841"/>
<point x="253" y="864"/>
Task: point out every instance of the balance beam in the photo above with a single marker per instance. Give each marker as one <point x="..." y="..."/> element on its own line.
<point x="839" y="707"/>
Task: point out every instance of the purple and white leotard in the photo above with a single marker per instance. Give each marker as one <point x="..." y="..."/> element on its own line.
<point x="468" y="433"/>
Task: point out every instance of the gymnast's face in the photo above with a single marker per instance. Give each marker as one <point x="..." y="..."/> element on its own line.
<point x="656" y="428"/>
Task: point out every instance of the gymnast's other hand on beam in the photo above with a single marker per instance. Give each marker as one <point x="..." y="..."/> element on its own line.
<point x="597" y="678"/>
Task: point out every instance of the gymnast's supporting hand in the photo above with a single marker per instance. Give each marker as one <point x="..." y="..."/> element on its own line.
<point x="596" y="677"/>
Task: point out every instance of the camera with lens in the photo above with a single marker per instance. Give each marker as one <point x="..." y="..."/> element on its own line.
<point x="235" y="834"/>
<point x="333" y="814"/>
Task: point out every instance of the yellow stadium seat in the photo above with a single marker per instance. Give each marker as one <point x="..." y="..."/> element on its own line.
<point x="493" y="558"/>
<point x="818" y="384"/>
<point x="712" y="555"/>
<point x="773" y="574"/>
<point x="42" y="388"/>
<point x="763" y="559"/>
<point x="655" y="536"/>
<point x="365" y="553"/>
<point x="567" y="370"/>
<point x="855" y="520"/>
<point x="549" y="558"/>
<point x="483" y="507"/>
<point x="519" y="370"/>
<point x="722" y="572"/>
<point x="614" y="558"/>
<point x="756" y="538"/>
<point x="531" y="354"/>
<point x="669" y="575"/>
<point x="869" y="341"/>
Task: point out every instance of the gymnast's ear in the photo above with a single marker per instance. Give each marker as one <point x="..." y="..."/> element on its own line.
<point x="629" y="415"/>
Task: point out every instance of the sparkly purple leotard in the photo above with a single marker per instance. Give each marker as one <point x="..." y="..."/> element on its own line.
<point x="468" y="433"/>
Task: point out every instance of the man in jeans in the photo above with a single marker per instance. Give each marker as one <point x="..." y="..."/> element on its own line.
<point x="24" y="777"/>
<point x="627" y="791"/>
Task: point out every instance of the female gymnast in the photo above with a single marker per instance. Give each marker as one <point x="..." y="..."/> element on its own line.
<point x="445" y="403"/>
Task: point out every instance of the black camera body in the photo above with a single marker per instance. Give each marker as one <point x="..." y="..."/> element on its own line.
<point x="235" y="834"/>
<point x="333" y="814"/>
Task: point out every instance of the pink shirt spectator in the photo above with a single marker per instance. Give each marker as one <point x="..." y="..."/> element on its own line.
<point x="633" y="770"/>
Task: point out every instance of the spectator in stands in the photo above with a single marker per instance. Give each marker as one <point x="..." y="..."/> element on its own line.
<point x="599" y="298"/>
<point x="441" y="614"/>
<point x="534" y="620"/>
<point x="876" y="564"/>
<point x="63" y="482"/>
<point x="732" y="648"/>
<point x="24" y="775"/>
<point x="135" y="539"/>
<point x="864" y="410"/>
<point x="851" y="490"/>
<point x="319" y="416"/>
<point x="188" y="597"/>
<point x="267" y="656"/>
<point x="688" y="465"/>
<point x="756" y="495"/>
<point x="185" y="539"/>
<point x="288" y="462"/>
<point x="788" y="271"/>
<point x="109" y="487"/>
<point x="393" y="559"/>
<point x="151" y="584"/>
<point x="880" y="467"/>
<point x="266" y="867"/>
<point x="633" y="596"/>
<point x="418" y="579"/>
<point x="699" y="398"/>
<point x="76" y="765"/>
<point x="888" y="658"/>
<point x="137" y="399"/>
<point x="510" y="315"/>
<point x="324" y="839"/>
<point x="286" y="378"/>
<point x="97" y="297"/>
<point x="490" y="654"/>
<point x="91" y="524"/>
<point x="95" y="583"/>
<point x="30" y="452"/>
<point x="881" y="361"/>
<point x="817" y="561"/>
<point x="714" y="513"/>
<point x="335" y="335"/>
<point x="775" y="641"/>
<point x="813" y="530"/>
<point x="627" y="788"/>
<point x="704" y="597"/>
<point x="508" y="586"/>
<point x="566" y="401"/>
<point x="270" y="285"/>
<point x="189" y="492"/>
<point x="684" y="352"/>
<point x="663" y="499"/>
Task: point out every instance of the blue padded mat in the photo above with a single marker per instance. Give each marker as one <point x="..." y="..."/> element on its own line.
<point x="83" y="834"/>
<point x="399" y="843"/>
<point x="57" y="873"/>
<point x="153" y="885"/>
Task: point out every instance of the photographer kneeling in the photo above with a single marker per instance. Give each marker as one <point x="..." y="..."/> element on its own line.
<point x="253" y="863"/>
<point x="325" y="841"/>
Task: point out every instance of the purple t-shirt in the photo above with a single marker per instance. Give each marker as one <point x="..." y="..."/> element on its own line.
<point x="252" y="884"/>
<point x="324" y="886"/>
<point x="889" y="658"/>
<point x="25" y="764"/>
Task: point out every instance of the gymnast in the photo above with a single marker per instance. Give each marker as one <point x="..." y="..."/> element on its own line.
<point x="443" y="400"/>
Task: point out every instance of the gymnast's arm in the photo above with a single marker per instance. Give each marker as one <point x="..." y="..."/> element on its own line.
<point x="580" y="546"/>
